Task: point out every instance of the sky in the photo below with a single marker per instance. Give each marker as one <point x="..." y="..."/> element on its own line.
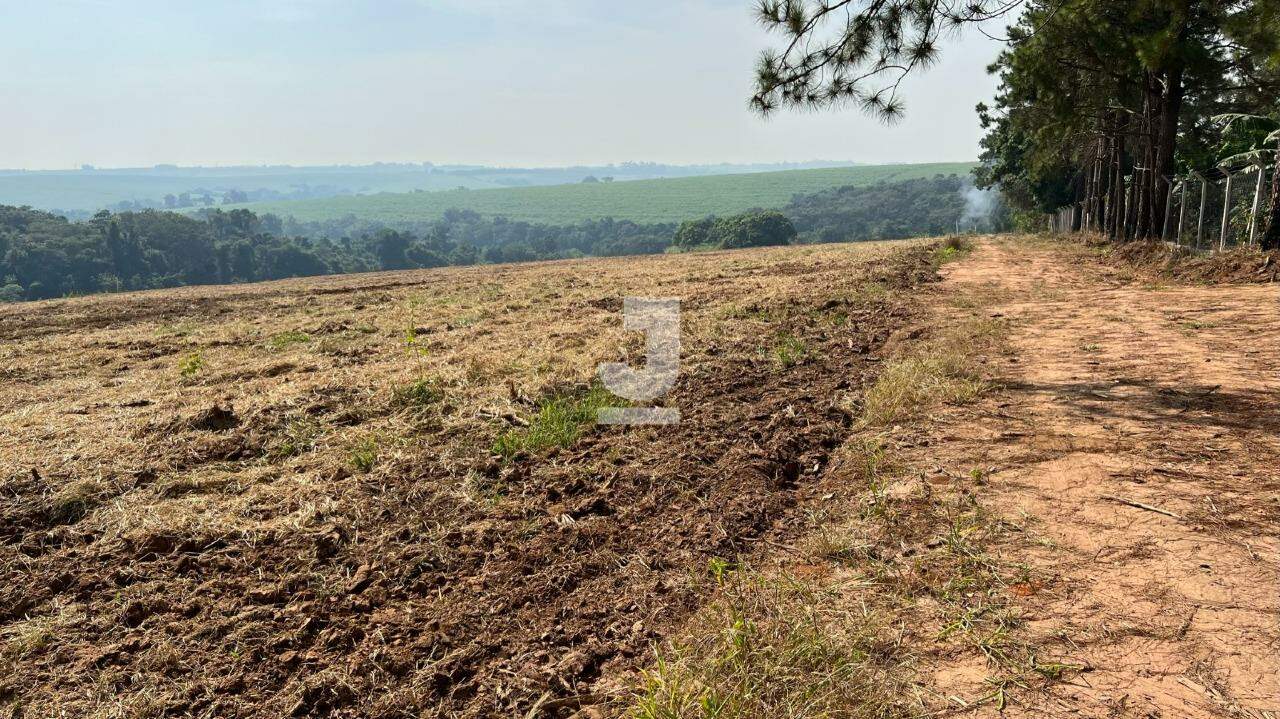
<point x="130" y="83"/>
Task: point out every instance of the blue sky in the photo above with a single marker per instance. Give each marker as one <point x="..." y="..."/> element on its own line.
<point x="134" y="83"/>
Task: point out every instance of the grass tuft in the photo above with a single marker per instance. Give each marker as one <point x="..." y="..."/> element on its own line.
<point x="560" y="420"/>
<point x="422" y="392"/>
<point x="775" y="648"/>
<point x="952" y="249"/>
<point x="364" y="456"/>
<point x="909" y="386"/>
<point x="789" y="351"/>
<point x="943" y="371"/>
<point x="283" y="340"/>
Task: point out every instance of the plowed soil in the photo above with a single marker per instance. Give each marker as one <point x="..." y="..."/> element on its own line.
<point x="284" y="500"/>
<point x="232" y="502"/>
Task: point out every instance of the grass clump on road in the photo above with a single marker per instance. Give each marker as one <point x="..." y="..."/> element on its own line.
<point x="952" y="249"/>
<point x="911" y="385"/>
<point x="944" y="370"/>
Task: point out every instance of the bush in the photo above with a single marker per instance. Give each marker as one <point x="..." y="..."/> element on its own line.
<point x="12" y="292"/>
<point x="759" y="228"/>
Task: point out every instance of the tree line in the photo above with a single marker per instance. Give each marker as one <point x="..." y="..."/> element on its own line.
<point x="1100" y="102"/>
<point x="43" y="255"/>
<point x="1103" y="103"/>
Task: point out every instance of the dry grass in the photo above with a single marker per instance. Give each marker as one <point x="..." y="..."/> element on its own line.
<point x="205" y="446"/>
<point x="779" y="647"/>
<point x="946" y="369"/>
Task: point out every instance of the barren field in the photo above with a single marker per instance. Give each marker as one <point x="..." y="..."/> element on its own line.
<point x="911" y="479"/>
<point x="381" y="495"/>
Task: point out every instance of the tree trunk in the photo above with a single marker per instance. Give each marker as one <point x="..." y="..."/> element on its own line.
<point x="1167" y="143"/>
<point x="1144" y="181"/>
<point x="1120" y="213"/>
<point x="1271" y="227"/>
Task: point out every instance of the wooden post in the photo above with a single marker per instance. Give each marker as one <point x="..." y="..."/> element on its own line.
<point x="1257" y="204"/>
<point x="1204" y="199"/>
<point x="1226" y="213"/>
<point x="1168" y="207"/>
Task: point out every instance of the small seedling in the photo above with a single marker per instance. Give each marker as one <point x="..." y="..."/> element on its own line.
<point x="720" y="569"/>
<point x="365" y="455"/>
<point x="191" y="365"/>
<point x="413" y="346"/>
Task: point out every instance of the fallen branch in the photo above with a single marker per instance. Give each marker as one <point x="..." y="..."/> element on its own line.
<point x="1140" y="505"/>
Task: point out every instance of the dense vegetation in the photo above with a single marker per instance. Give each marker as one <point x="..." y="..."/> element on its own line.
<point x="649" y="201"/>
<point x="1100" y="102"/>
<point x="750" y="229"/>
<point x="44" y="255"/>
<point x="913" y="208"/>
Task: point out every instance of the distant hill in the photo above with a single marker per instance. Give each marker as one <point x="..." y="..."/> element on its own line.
<point x="649" y="201"/>
<point x="80" y="193"/>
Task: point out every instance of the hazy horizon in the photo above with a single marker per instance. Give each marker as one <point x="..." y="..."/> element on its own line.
<point x="476" y="82"/>
<point x="781" y="164"/>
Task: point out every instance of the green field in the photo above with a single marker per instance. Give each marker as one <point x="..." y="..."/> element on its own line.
<point x="669" y="200"/>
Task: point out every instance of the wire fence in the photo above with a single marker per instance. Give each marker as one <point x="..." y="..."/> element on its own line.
<point x="1202" y="212"/>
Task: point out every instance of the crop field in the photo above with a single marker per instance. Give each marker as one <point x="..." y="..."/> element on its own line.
<point x="96" y="190"/>
<point x="666" y="200"/>
<point x="384" y="495"/>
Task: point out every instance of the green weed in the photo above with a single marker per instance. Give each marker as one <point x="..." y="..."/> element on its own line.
<point x="364" y="456"/>
<point x="559" y="421"/>
<point x="283" y="340"/>
<point x="789" y="351"/>
<point x="191" y="365"/>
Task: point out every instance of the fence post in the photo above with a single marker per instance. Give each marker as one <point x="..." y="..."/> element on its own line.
<point x="1182" y="212"/>
<point x="1168" y="208"/>
<point x="1257" y="204"/>
<point x="1226" y="213"/>
<point x="1204" y="199"/>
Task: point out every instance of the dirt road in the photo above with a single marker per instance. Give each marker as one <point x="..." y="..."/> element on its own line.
<point x="1135" y="428"/>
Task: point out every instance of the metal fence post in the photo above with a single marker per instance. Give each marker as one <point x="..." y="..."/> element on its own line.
<point x="1257" y="204"/>
<point x="1182" y="212"/>
<point x="1226" y="213"/>
<point x="1204" y="199"/>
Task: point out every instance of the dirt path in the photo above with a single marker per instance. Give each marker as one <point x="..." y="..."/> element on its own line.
<point x="1118" y="395"/>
